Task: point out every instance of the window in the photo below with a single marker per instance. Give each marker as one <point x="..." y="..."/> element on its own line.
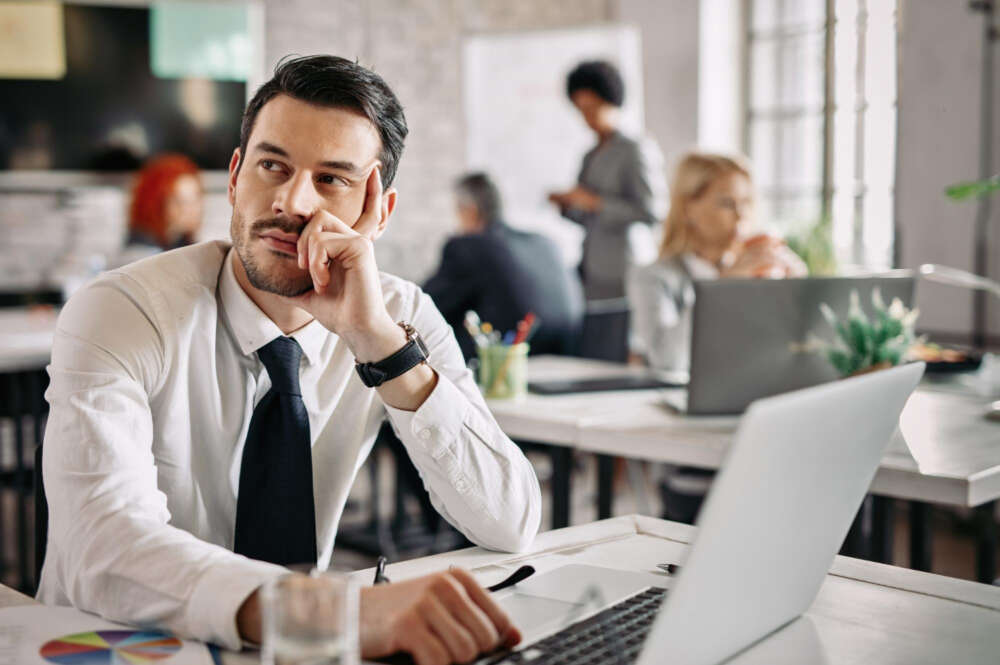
<point x="821" y="119"/>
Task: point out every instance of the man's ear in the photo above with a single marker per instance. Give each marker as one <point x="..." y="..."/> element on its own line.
<point x="388" y="205"/>
<point x="234" y="163"/>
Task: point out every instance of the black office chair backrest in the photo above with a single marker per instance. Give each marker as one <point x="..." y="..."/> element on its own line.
<point x="41" y="516"/>
<point x="605" y="330"/>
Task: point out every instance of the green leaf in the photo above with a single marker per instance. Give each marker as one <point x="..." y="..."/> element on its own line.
<point x="963" y="190"/>
<point x="840" y="361"/>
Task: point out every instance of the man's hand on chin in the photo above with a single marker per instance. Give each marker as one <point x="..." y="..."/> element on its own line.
<point x="346" y="297"/>
<point x="440" y="619"/>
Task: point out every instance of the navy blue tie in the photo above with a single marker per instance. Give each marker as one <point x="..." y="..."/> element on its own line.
<point x="275" y="514"/>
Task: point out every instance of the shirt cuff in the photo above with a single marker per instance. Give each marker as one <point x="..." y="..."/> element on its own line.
<point x="437" y="421"/>
<point x="220" y="593"/>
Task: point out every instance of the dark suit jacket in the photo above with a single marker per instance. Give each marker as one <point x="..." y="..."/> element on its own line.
<point x="503" y="274"/>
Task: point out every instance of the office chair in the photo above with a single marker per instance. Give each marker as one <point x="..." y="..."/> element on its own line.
<point x="605" y="330"/>
<point x="22" y="403"/>
<point x="41" y="516"/>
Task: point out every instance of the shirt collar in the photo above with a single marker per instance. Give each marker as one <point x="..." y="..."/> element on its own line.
<point x="699" y="268"/>
<point x="252" y="327"/>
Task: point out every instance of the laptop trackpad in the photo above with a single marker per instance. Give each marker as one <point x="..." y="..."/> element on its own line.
<point x="534" y="612"/>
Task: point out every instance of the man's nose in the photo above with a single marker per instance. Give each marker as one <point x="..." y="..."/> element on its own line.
<point x="296" y="198"/>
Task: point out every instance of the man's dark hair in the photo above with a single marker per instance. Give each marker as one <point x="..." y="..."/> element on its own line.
<point x="332" y="81"/>
<point x="479" y="189"/>
<point x="600" y="77"/>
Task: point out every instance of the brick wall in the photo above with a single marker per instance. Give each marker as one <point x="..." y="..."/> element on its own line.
<point x="414" y="44"/>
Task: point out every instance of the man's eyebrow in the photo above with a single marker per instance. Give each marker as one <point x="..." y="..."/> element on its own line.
<point x="270" y="147"/>
<point x="341" y="165"/>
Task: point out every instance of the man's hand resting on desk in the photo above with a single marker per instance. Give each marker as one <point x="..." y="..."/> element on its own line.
<point x="439" y="619"/>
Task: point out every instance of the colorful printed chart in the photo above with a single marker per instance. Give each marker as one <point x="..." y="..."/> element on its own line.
<point x="110" y="647"/>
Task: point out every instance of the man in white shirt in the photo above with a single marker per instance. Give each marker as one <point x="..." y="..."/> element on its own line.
<point x="206" y="400"/>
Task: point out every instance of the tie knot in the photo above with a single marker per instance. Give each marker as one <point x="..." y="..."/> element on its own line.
<point x="281" y="358"/>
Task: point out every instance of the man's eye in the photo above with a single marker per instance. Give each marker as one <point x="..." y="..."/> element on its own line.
<point x="327" y="179"/>
<point x="267" y="164"/>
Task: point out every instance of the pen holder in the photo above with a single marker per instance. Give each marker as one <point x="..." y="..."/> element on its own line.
<point x="503" y="371"/>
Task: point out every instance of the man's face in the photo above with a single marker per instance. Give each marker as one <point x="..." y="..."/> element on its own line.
<point x="300" y="159"/>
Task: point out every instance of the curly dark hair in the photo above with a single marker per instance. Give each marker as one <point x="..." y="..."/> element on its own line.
<point x="599" y="76"/>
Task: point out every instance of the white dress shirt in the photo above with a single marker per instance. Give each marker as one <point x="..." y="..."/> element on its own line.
<point x="661" y="300"/>
<point x="154" y="378"/>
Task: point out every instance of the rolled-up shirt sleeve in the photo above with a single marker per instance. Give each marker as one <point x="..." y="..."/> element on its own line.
<point x="112" y="549"/>
<point x="477" y="478"/>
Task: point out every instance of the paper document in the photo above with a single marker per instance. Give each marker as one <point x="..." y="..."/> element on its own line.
<point x="42" y="635"/>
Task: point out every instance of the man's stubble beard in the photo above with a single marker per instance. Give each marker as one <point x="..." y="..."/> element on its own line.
<point x="259" y="277"/>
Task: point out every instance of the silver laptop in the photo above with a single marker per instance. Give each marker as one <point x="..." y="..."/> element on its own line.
<point x="744" y="334"/>
<point x="778" y="511"/>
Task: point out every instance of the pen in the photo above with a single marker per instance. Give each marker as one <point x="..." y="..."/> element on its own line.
<point x="524" y="327"/>
<point x="472" y="326"/>
<point x="519" y="575"/>
<point x="380" y="577"/>
<point x="533" y="328"/>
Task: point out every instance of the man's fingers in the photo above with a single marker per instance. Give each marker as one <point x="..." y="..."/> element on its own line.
<point x="453" y="595"/>
<point x="509" y="634"/>
<point x="320" y="222"/>
<point x="317" y="263"/>
<point x="371" y="215"/>
<point x="461" y="645"/>
<point x="425" y="647"/>
<point x="330" y="247"/>
<point x="315" y="224"/>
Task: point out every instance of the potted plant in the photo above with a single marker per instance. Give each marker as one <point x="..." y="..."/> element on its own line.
<point x="864" y="344"/>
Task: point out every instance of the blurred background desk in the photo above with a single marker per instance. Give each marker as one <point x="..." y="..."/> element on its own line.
<point x="26" y="337"/>
<point x="950" y="455"/>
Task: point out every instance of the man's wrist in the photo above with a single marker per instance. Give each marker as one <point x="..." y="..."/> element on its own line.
<point x="248" y="618"/>
<point x="376" y="342"/>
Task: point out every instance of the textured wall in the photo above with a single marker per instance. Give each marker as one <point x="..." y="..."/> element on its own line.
<point x="939" y="95"/>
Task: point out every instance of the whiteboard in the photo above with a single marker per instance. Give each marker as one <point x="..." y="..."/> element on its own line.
<point x="521" y="127"/>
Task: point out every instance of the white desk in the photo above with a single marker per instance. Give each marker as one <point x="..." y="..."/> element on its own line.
<point x="951" y="454"/>
<point x="865" y="612"/>
<point x="26" y="337"/>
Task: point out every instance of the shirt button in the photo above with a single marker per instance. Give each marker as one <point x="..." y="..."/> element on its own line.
<point x="462" y="486"/>
<point x="425" y="433"/>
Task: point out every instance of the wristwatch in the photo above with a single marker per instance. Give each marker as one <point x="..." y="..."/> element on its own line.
<point x="412" y="354"/>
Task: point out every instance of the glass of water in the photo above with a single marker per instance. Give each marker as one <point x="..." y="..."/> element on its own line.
<point x="310" y="620"/>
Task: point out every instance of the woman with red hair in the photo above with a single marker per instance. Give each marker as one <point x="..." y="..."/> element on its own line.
<point x="166" y="208"/>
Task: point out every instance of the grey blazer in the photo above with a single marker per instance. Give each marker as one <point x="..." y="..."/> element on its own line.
<point x="628" y="176"/>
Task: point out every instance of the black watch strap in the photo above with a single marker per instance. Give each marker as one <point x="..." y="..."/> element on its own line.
<point x="412" y="354"/>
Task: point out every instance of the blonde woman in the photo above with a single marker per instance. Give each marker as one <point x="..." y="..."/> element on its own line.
<point x="705" y="236"/>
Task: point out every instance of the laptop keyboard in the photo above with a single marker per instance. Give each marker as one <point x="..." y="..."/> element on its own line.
<point x="613" y="636"/>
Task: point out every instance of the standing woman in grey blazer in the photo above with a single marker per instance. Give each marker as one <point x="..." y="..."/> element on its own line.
<point x="621" y="183"/>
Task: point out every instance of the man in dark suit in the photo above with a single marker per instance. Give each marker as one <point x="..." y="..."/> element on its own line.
<point x="503" y="274"/>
